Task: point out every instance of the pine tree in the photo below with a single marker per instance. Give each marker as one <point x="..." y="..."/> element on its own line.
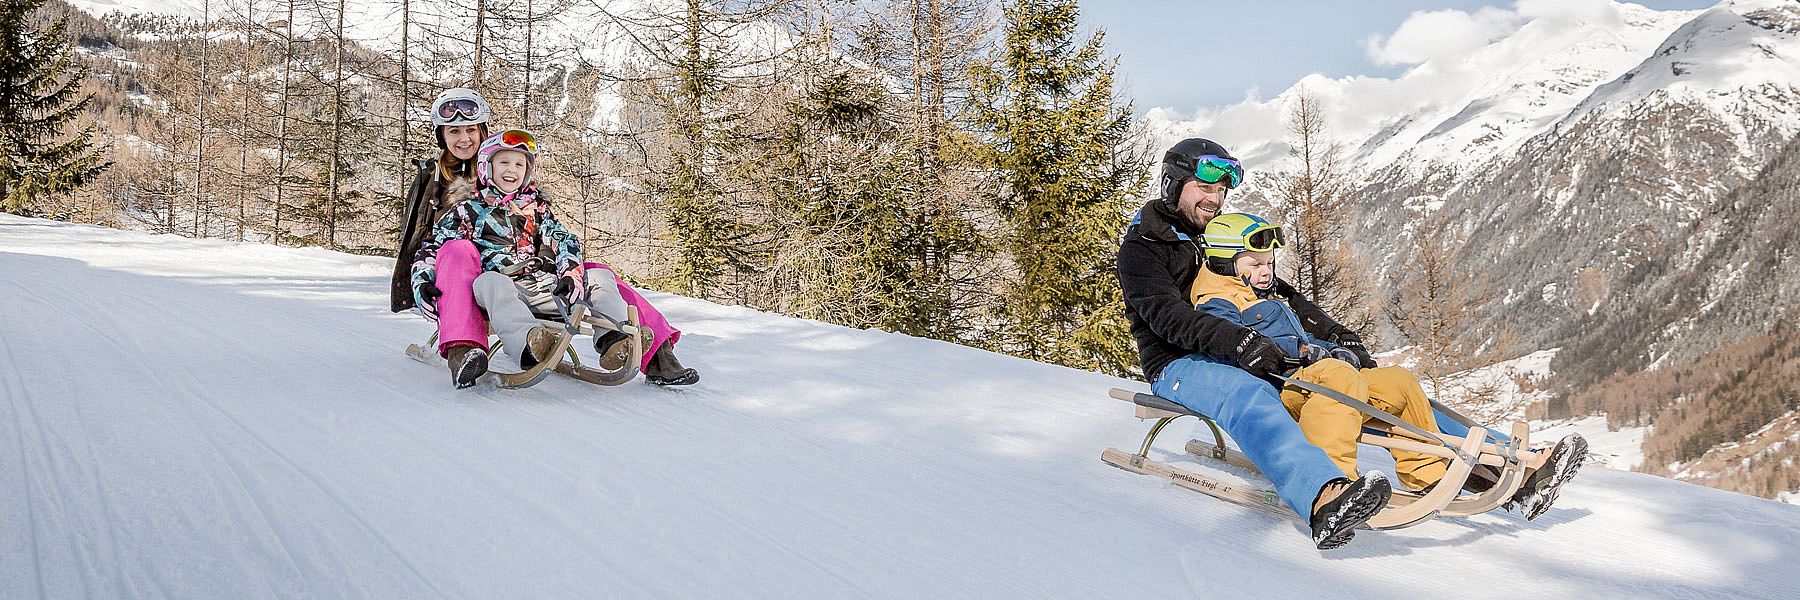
<point x="38" y="98"/>
<point x="691" y="140"/>
<point x="1057" y="136"/>
<point x="836" y="182"/>
<point x="945" y="257"/>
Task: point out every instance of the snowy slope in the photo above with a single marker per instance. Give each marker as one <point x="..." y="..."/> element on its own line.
<point x="205" y="419"/>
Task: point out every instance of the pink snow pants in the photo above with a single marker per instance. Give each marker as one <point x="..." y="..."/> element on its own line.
<point x="460" y="321"/>
<point x="648" y="316"/>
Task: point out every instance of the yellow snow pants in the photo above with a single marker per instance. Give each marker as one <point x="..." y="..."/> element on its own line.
<point x="1334" y="426"/>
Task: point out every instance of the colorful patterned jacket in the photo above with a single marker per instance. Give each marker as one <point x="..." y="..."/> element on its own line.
<point x="520" y="238"/>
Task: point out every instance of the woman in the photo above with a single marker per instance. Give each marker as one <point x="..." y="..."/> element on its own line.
<point x="460" y="121"/>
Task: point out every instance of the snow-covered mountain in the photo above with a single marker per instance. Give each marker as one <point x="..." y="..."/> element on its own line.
<point x="1618" y="177"/>
<point x="206" y="419"/>
<point x="1453" y="113"/>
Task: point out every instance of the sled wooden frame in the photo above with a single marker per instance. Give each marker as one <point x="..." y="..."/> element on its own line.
<point x="579" y="322"/>
<point x="1404" y="509"/>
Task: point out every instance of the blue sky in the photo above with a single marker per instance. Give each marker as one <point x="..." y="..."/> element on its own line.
<point x="1185" y="55"/>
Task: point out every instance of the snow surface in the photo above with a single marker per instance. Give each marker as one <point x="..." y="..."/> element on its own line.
<point x="208" y="419"/>
<point x="1616" y="449"/>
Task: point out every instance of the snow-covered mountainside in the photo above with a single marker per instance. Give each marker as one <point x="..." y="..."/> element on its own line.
<point x="1621" y="179"/>
<point x="206" y="419"/>
<point x="1451" y="113"/>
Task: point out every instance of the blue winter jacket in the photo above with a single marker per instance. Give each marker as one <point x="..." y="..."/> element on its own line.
<point x="1231" y="299"/>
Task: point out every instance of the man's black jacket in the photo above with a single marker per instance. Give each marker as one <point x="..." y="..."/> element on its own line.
<point x="1159" y="256"/>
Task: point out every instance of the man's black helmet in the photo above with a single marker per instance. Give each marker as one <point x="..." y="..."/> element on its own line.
<point x="1179" y="163"/>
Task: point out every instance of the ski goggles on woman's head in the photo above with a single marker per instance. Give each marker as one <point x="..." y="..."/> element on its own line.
<point x="1263" y="238"/>
<point x="459" y="110"/>
<point x="1212" y="169"/>
<point x="519" y="138"/>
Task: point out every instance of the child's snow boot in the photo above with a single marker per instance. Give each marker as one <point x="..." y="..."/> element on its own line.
<point x="1542" y="485"/>
<point x="467" y="364"/>
<point x="614" y="349"/>
<point x="538" y="345"/>
<point x="665" y="369"/>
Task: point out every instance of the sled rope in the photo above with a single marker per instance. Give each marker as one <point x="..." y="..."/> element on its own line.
<point x="1379" y="414"/>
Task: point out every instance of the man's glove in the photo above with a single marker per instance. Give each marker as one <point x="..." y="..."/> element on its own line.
<point x="1344" y="354"/>
<point x="1350" y="341"/>
<point x="1258" y="355"/>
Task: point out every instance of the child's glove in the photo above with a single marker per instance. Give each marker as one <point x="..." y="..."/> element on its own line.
<point x="1352" y="342"/>
<point x="573" y="285"/>
<point x="428" y="294"/>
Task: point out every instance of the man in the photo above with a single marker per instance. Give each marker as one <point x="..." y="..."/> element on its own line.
<point x="1215" y="367"/>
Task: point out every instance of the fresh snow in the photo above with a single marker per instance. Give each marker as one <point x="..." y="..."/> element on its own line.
<point x="207" y="419"/>
<point x="1622" y="448"/>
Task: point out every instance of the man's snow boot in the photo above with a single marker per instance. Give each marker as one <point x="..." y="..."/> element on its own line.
<point x="1335" y="523"/>
<point x="666" y="370"/>
<point x="467" y="364"/>
<point x="538" y="345"/>
<point x="1542" y="486"/>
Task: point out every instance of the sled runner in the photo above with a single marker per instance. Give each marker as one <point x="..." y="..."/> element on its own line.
<point x="573" y="322"/>
<point x="1406" y="508"/>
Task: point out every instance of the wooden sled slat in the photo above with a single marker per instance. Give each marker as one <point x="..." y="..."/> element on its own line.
<point x="538" y="372"/>
<point x="1261" y="499"/>
<point x="580" y="322"/>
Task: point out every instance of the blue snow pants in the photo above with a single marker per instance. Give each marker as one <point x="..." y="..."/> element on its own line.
<point x="1250" y="410"/>
<point x="1450" y="426"/>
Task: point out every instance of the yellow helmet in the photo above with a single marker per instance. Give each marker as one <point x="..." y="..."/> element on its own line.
<point x="1228" y="234"/>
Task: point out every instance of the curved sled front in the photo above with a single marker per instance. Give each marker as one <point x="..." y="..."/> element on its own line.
<point x="579" y="322"/>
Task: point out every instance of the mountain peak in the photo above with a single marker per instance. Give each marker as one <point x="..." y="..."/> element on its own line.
<point x="1737" y="46"/>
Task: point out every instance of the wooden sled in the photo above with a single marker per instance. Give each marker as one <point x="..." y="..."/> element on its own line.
<point x="1405" y="508"/>
<point x="578" y="322"/>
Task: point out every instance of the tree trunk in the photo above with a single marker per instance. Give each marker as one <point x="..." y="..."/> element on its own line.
<point x="200" y="93"/>
<point x="281" y="136"/>
<point x="244" y="123"/>
<point x="337" y="131"/>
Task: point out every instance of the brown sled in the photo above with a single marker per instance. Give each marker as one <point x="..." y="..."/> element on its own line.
<point x="1405" y="508"/>
<point x="578" y="322"/>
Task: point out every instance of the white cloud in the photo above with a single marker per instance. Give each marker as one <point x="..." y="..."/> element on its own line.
<point x="1448" y="35"/>
<point x="1440" y="35"/>
<point x="1585" y="11"/>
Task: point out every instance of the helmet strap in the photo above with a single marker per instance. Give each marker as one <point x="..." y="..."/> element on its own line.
<point x="1222" y="266"/>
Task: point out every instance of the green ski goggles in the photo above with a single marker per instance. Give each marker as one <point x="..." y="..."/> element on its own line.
<point x="1212" y="169"/>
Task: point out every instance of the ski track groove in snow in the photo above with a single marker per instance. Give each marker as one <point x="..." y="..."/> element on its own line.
<point x="16" y="391"/>
<point x="205" y="419"/>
